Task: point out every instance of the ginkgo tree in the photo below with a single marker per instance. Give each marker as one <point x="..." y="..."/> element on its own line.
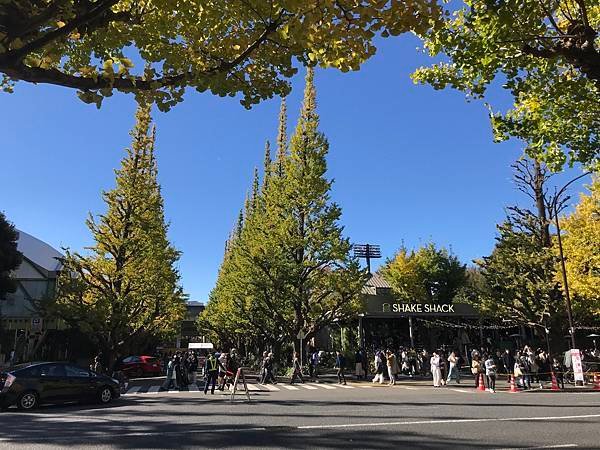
<point x="227" y="47"/>
<point x="544" y="53"/>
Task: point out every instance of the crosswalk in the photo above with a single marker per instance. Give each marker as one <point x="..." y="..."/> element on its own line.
<point x="252" y="387"/>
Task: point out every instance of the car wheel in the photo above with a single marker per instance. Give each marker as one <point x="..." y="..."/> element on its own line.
<point x="105" y="395"/>
<point x="27" y="401"/>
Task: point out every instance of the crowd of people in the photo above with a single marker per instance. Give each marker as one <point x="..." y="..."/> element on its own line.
<point x="524" y="367"/>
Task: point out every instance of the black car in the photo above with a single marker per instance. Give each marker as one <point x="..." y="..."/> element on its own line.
<point x="29" y="385"/>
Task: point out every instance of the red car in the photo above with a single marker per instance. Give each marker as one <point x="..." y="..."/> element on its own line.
<point x="139" y="366"/>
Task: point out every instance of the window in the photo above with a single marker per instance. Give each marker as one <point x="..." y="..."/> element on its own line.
<point x="52" y="370"/>
<point x="131" y="359"/>
<point x="78" y="372"/>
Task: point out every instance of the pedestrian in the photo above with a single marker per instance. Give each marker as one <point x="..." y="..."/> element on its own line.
<point x="379" y="367"/>
<point x="365" y="363"/>
<point x="297" y="369"/>
<point x="358" y="368"/>
<point x="340" y="364"/>
<point x="192" y="367"/>
<point x="313" y="365"/>
<point x="490" y="371"/>
<point x="211" y="370"/>
<point x="454" y="370"/>
<point x="434" y="364"/>
<point x="263" y="370"/>
<point x="558" y="369"/>
<point x="443" y="367"/>
<point x="223" y="357"/>
<point x="178" y="369"/>
<point x="269" y="367"/>
<point x="476" y="369"/>
<point x="171" y="375"/>
<point x="508" y="361"/>
<point x="391" y="367"/>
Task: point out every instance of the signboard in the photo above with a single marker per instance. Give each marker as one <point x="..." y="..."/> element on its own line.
<point x="301" y="335"/>
<point x="577" y="367"/>
<point x="196" y="345"/>
<point x="385" y="306"/>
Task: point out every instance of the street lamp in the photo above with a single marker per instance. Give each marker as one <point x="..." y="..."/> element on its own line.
<point x="562" y="259"/>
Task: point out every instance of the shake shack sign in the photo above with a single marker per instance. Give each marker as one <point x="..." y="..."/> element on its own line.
<point x="417" y="308"/>
<point x="386" y="307"/>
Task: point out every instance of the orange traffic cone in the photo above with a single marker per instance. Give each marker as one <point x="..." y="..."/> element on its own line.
<point x="481" y="386"/>
<point x="554" y="383"/>
<point x="513" y="387"/>
<point x="596" y="382"/>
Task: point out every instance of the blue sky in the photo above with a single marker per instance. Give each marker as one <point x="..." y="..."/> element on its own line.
<point x="410" y="164"/>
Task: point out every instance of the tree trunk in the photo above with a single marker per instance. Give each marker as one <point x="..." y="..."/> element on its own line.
<point x="541" y="204"/>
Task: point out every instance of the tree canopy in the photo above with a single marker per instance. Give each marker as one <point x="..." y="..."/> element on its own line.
<point x="127" y="286"/>
<point x="226" y="47"/>
<point x="289" y="269"/>
<point x="10" y="257"/>
<point x="427" y="275"/>
<point x="545" y="53"/>
<point x="581" y="245"/>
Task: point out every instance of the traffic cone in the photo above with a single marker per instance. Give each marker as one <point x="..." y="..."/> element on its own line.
<point x="596" y="382"/>
<point x="481" y="386"/>
<point x="554" y="383"/>
<point x="513" y="387"/>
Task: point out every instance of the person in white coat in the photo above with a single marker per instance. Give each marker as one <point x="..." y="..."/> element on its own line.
<point x="435" y="369"/>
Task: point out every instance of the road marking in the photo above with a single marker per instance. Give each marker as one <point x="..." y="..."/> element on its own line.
<point x="289" y="388"/>
<point x="345" y="386"/>
<point x="461" y="390"/>
<point x="133" y="390"/>
<point x="153" y="390"/>
<point x="270" y="387"/>
<point x="306" y="386"/>
<point x="193" y="388"/>
<point x="172" y="391"/>
<point x="366" y="387"/>
<point x="324" y="386"/>
<point x="252" y="387"/>
<point x="539" y="448"/>
<point x="442" y="421"/>
<point x="410" y="388"/>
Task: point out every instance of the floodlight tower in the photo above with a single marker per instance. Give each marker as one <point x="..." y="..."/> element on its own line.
<point x="368" y="252"/>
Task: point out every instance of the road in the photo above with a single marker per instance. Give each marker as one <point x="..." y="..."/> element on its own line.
<point x="411" y="415"/>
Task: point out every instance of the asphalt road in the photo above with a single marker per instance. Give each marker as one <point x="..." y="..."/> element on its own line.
<point x="411" y="415"/>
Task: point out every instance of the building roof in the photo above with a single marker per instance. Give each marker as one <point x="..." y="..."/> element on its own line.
<point x="378" y="281"/>
<point x="376" y="285"/>
<point x="38" y="252"/>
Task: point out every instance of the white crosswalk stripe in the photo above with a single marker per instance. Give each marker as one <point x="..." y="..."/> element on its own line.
<point x="324" y="386"/>
<point x="196" y="388"/>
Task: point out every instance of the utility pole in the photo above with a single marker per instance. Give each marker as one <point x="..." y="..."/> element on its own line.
<point x="562" y="258"/>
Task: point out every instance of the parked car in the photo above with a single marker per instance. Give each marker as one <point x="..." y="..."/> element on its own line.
<point x="139" y="366"/>
<point x="30" y="385"/>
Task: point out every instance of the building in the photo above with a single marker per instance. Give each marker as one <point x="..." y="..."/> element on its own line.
<point x="21" y="327"/>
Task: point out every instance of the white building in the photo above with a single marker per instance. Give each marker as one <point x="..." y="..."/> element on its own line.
<point x="36" y="279"/>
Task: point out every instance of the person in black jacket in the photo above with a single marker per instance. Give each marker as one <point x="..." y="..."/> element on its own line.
<point x="508" y="361"/>
<point x="340" y="363"/>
